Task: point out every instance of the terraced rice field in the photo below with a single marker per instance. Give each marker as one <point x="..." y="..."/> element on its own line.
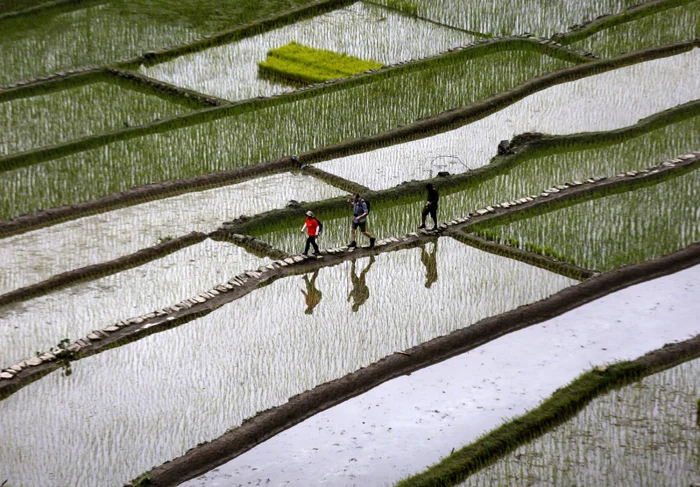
<point x="159" y="325"/>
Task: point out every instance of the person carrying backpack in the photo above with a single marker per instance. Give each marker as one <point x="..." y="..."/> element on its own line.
<point x="360" y="210"/>
<point x="313" y="227"/>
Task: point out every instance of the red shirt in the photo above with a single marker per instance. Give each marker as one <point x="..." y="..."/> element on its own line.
<point x="312" y="226"/>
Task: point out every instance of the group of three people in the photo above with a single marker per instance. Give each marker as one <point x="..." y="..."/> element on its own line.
<point x="313" y="227"/>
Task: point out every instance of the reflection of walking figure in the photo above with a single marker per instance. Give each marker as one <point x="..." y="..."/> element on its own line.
<point x="360" y="210"/>
<point x="429" y="260"/>
<point x="431" y="206"/>
<point x="360" y="291"/>
<point x="313" y="295"/>
<point x="313" y="227"/>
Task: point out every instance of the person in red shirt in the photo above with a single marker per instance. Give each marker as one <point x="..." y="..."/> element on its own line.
<point x="312" y="226"/>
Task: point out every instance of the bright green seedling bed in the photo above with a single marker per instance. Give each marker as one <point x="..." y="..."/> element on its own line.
<point x="47" y="119"/>
<point x="616" y="230"/>
<point x="673" y="25"/>
<point x="526" y="174"/>
<point x="305" y="64"/>
<point x="271" y="132"/>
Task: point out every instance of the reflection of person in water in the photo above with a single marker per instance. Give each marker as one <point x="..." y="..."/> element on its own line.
<point x="313" y="295"/>
<point x="429" y="260"/>
<point x="360" y="291"/>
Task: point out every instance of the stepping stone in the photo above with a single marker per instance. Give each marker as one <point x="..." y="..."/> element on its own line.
<point x="667" y="164"/>
<point x="551" y="190"/>
<point x="590" y="181"/>
<point x="83" y="343"/>
<point x="214" y="292"/>
<point x="561" y="186"/>
<point x="150" y="315"/>
<point x="94" y="336"/>
<point x="33" y="362"/>
<point x="160" y="312"/>
<point x="122" y="324"/>
<point x="490" y="209"/>
<point x="6" y="375"/>
<point x="289" y="260"/>
<point x="74" y="347"/>
<point x="186" y="304"/>
<point x="270" y="266"/>
<point x="544" y="194"/>
<point x="599" y="178"/>
<point x="15" y="368"/>
<point x="643" y="171"/>
<point x="505" y="205"/>
<point x="298" y="258"/>
<point x="497" y="205"/>
<point x="482" y="211"/>
<point x="686" y="157"/>
<point x="112" y="328"/>
<point x="47" y="357"/>
<point x="621" y="175"/>
<point x="200" y="299"/>
<point x="577" y="183"/>
<point x="529" y="198"/>
<point x="631" y="173"/>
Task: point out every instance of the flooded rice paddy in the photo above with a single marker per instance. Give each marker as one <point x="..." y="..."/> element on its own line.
<point x="37" y="255"/>
<point x="41" y="120"/>
<point x="193" y="382"/>
<point x="540" y="17"/>
<point x="643" y="434"/>
<point x="277" y="131"/>
<point x="672" y="25"/>
<point x="38" y="324"/>
<point x="601" y="102"/>
<point x="362" y="30"/>
<point x="535" y="173"/>
<point x="406" y="424"/>
<point x="620" y="229"/>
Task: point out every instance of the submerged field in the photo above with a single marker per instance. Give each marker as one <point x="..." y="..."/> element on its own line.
<point x="144" y="314"/>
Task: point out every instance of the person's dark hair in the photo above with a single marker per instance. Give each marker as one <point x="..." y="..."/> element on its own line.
<point x="429" y="186"/>
<point x="357" y="196"/>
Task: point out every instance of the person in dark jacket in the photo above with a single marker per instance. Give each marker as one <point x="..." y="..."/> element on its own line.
<point x="431" y="206"/>
<point x="360" y="210"/>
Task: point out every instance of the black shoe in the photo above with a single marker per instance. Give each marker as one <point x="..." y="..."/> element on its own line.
<point x="422" y="226"/>
<point x="317" y="253"/>
<point x="352" y="244"/>
<point x="371" y="242"/>
<point x="304" y="253"/>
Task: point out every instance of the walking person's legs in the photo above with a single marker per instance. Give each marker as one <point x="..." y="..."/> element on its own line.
<point x="309" y="241"/>
<point x="313" y="242"/>
<point x="423" y="216"/>
<point x="433" y="215"/>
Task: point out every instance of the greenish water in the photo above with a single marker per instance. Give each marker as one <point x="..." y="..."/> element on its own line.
<point x="268" y="133"/>
<point x="38" y="324"/>
<point x="37" y="121"/>
<point x="98" y="32"/>
<point x="193" y="382"/>
<point x="673" y="25"/>
<point x="643" y="434"/>
<point x="542" y="17"/>
<point x="363" y="30"/>
<point x="617" y="230"/>
<point x="530" y="176"/>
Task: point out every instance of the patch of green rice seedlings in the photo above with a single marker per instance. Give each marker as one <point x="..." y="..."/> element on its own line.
<point x="673" y="25"/>
<point x="192" y="383"/>
<point x="540" y="17"/>
<point x="34" y="256"/>
<point x="96" y="32"/>
<point x="29" y="123"/>
<point x="362" y="30"/>
<point x="40" y="323"/>
<point x="532" y="173"/>
<point x="641" y="434"/>
<point x="620" y="229"/>
<point x="267" y="133"/>
<point x="309" y="65"/>
<point x="600" y="102"/>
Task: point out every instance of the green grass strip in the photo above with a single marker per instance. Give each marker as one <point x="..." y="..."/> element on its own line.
<point x="564" y="404"/>
<point x="309" y="65"/>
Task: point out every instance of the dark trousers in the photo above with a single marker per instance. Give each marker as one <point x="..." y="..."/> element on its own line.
<point x="310" y="241"/>
<point x="430" y="210"/>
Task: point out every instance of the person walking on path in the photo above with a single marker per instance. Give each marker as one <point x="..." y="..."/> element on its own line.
<point x="312" y="226"/>
<point x="360" y="211"/>
<point x="360" y="291"/>
<point x="431" y="206"/>
<point x="312" y="294"/>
